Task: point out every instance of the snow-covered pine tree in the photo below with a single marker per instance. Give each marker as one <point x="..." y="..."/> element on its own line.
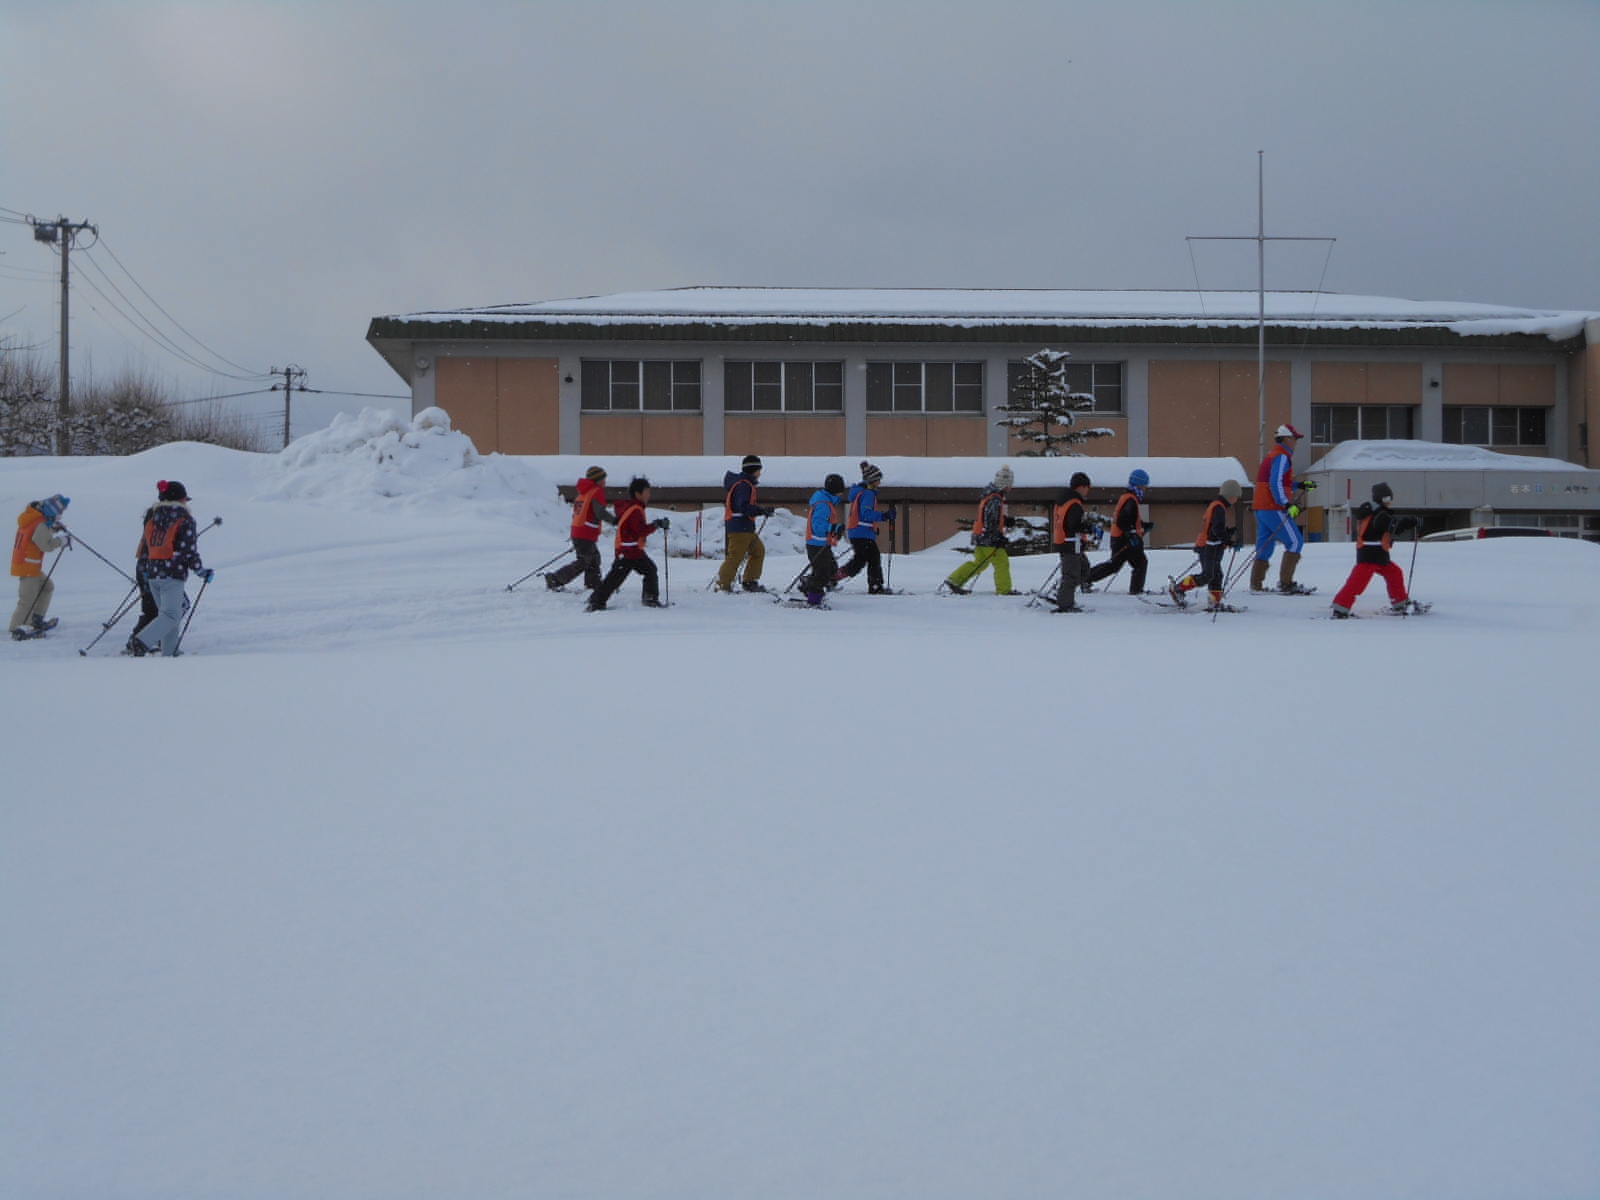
<point x="1042" y="409"/>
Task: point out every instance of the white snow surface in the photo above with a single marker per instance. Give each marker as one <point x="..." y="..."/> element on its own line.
<point x="800" y="471"/>
<point x="402" y="885"/>
<point x="1380" y="454"/>
<point x="976" y="307"/>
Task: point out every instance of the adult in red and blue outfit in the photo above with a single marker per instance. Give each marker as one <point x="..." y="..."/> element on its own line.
<point x="861" y="518"/>
<point x="1277" y="502"/>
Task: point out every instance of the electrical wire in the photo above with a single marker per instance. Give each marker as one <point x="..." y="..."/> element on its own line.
<point x="162" y="342"/>
<point x="363" y="395"/>
<point x="219" y="357"/>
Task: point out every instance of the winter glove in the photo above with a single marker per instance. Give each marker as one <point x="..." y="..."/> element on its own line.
<point x="1294" y="511"/>
<point x="206" y="574"/>
<point x="663" y="523"/>
<point x="836" y="530"/>
<point x="769" y="512"/>
<point x="889" y="516"/>
<point x="1230" y="537"/>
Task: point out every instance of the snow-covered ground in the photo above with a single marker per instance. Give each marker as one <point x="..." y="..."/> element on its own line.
<point x="402" y="885"/>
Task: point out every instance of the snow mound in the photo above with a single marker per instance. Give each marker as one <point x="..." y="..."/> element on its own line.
<point x="377" y="459"/>
<point x="1399" y="453"/>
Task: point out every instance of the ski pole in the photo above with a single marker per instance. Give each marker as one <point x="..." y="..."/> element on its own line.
<point x="1039" y="592"/>
<point x="193" y="608"/>
<point x="123" y="609"/>
<point x="666" y="570"/>
<point x="546" y="565"/>
<point x="1411" y="574"/>
<point x="1228" y="580"/>
<point x="79" y="541"/>
<point x="888" y="568"/>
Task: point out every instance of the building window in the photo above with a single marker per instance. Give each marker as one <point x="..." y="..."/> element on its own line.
<point x="783" y="387"/>
<point x="632" y="385"/>
<point x="925" y="387"/>
<point x="1334" y="423"/>
<point x="1480" y="425"/>
<point x="1102" y="380"/>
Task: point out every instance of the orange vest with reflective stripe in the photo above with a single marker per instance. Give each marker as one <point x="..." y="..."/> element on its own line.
<point x="1387" y="542"/>
<point x="1205" y="522"/>
<point x="27" y="560"/>
<point x="811" y="523"/>
<point x="622" y="523"/>
<point x="584" y="519"/>
<point x="1060" y="521"/>
<point x="727" y="501"/>
<point x="1138" y="520"/>
<point x="977" y="521"/>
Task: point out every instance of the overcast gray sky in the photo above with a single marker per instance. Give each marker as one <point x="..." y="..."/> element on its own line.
<point x="276" y="174"/>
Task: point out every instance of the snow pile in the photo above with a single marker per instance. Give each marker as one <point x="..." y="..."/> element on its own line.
<point x="377" y="457"/>
<point x="784" y="532"/>
<point x="1405" y="454"/>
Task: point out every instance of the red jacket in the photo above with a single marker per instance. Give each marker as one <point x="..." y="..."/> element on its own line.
<point x="633" y="527"/>
<point x="586" y="510"/>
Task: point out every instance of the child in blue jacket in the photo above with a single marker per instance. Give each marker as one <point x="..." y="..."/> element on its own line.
<point x="823" y="527"/>
<point x="861" y="519"/>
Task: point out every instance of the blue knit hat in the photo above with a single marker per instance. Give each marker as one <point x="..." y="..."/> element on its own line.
<point x="1140" y="478"/>
<point x="53" y="507"/>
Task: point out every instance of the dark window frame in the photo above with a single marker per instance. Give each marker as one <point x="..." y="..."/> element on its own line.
<point x="643" y="386"/>
<point x="926" y="387"/>
<point x="1335" y="423"/>
<point x="1102" y="379"/>
<point x="1514" y="426"/>
<point x="783" y="387"/>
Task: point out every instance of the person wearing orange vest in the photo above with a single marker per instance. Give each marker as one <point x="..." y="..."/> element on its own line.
<point x="171" y="552"/>
<point x="1374" y="537"/>
<point x="588" y="510"/>
<point x="633" y="528"/>
<point x="739" y="514"/>
<point x="1072" y="533"/>
<point x="1216" y="535"/>
<point x="823" y="528"/>
<point x="1276" y="502"/>
<point x="1127" y="535"/>
<point x="989" y="527"/>
<point x="37" y="535"/>
<point x="861" y="528"/>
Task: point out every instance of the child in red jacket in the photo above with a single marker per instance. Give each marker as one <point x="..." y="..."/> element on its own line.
<point x="633" y="528"/>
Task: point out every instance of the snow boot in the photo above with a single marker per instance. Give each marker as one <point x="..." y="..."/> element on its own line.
<point x="1341" y="613"/>
<point x="955" y="589"/>
<point x="1286" y="584"/>
<point x="652" y="602"/>
<point x="42" y="626"/>
<point x="135" y="648"/>
<point x="1258" y="575"/>
<point x="1175" y="590"/>
<point x="751" y="585"/>
<point x="550" y="582"/>
<point x="814" y="599"/>
<point x="22" y="634"/>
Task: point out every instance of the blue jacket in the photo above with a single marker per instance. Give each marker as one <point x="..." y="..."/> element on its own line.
<point x="741" y="509"/>
<point x="820" y="522"/>
<point x="861" y="503"/>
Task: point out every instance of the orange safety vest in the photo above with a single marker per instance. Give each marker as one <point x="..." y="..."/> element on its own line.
<point x="852" y="520"/>
<point x="1387" y="542"/>
<point x="1262" y="499"/>
<point x="622" y="521"/>
<point x="160" y="546"/>
<point x="727" y="501"/>
<point x="977" y="521"/>
<point x="583" y="512"/>
<point x="1205" y="523"/>
<point x="1138" y="520"/>
<point x="1060" y="520"/>
<point x="811" y="523"/>
<point x="27" y="560"/>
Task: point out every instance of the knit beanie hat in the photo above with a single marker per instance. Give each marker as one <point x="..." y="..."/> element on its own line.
<point x="870" y="475"/>
<point x="752" y="462"/>
<point x="595" y="473"/>
<point x="1004" y="477"/>
<point x="1382" y="493"/>
<point x="834" y="484"/>
<point x="1231" y="489"/>
<point x="1078" y="480"/>
<point x="171" y="489"/>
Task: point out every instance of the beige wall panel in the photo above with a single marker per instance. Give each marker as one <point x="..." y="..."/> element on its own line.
<point x="672" y="435"/>
<point x="1393" y="383"/>
<point x="813" y="435"/>
<point x="612" y="433"/>
<point x="1532" y="384"/>
<point x="1184" y="397"/>
<point x="958" y="437"/>
<point x="939" y="521"/>
<point x="1338" y="383"/>
<point x="466" y="388"/>
<point x="1176" y="524"/>
<point x="898" y="435"/>
<point x="1471" y="383"/>
<point x="1241" y="411"/>
<point x="1115" y="446"/>
<point x="529" y="406"/>
<point x="753" y="435"/>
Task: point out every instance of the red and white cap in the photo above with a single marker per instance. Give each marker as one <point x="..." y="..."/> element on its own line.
<point x="1288" y="431"/>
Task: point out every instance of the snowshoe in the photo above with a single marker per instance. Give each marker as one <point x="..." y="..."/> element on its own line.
<point x="1176" y="593"/>
<point x="1223" y="608"/>
<point x="753" y="586"/>
<point x="550" y="582"/>
<point x="1071" y="608"/>
<point x="1407" y="608"/>
<point x="887" y="591"/>
<point x="952" y="589"/>
<point x="652" y="602"/>
<point x="135" y="648"/>
<point x="22" y="634"/>
<point x="42" y="626"/>
<point x="1341" y="614"/>
<point x="1294" y="588"/>
<point x="802" y="602"/>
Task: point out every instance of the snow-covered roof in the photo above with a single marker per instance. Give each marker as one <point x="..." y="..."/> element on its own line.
<point x="898" y="472"/>
<point x="973" y="307"/>
<point x="1401" y="455"/>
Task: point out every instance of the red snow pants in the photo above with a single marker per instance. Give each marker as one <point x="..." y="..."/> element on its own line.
<point x="1362" y="575"/>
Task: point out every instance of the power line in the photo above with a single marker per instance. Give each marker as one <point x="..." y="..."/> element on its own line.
<point x="155" y="335"/>
<point x="363" y="395"/>
<point x="221" y="358"/>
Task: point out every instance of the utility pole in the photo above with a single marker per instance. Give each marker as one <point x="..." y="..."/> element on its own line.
<point x="1261" y="239"/>
<point x="62" y="231"/>
<point x="290" y="374"/>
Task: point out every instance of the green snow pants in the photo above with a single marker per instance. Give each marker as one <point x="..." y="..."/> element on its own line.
<point x="981" y="558"/>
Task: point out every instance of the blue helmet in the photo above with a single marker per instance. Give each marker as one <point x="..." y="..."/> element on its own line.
<point x="1140" y="478"/>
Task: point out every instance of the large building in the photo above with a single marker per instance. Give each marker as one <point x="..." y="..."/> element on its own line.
<point x="861" y="373"/>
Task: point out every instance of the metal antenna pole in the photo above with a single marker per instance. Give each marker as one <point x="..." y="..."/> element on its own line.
<point x="1261" y="239"/>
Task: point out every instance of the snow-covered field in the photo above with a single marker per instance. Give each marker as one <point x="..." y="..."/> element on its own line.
<point x="402" y="885"/>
